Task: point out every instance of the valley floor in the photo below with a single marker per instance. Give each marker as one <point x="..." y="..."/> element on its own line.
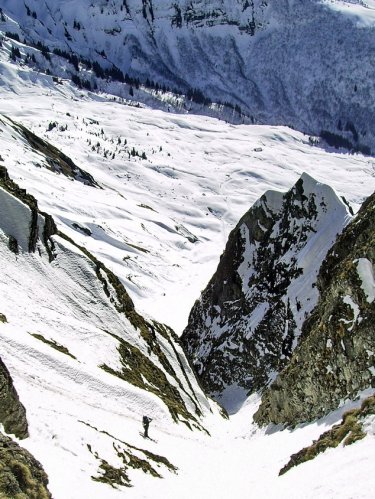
<point x="241" y="461"/>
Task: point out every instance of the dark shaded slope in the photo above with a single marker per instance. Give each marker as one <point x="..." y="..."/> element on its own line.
<point x="12" y="412"/>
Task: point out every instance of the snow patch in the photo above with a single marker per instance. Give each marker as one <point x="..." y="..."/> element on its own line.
<point x="15" y="219"/>
<point x="349" y="301"/>
<point x="360" y="11"/>
<point x="366" y="274"/>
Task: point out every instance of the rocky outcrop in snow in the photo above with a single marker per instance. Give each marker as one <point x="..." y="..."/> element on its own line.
<point x="20" y="219"/>
<point x="247" y="322"/>
<point x="336" y="356"/>
<point x="52" y="158"/>
<point x="21" y="475"/>
<point x="351" y="429"/>
<point x="12" y="412"/>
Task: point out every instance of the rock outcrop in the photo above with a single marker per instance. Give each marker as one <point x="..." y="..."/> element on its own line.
<point x="336" y="356"/>
<point x="53" y="159"/>
<point x="12" y="412"/>
<point x="21" y="475"/>
<point x="247" y="322"/>
<point x="21" y="220"/>
<point x="351" y="429"/>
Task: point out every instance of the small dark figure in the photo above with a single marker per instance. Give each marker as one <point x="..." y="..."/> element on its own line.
<point x="146" y="423"/>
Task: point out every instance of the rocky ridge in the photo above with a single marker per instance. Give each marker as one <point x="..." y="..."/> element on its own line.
<point x="248" y="320"/>
<point x="335" y="358"/>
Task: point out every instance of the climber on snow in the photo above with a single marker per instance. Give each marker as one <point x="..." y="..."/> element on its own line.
<point x="146" y="423"/>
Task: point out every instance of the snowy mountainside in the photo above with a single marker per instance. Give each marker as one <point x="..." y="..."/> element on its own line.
<point x="71" y="338"/>
<point x="248" y="320"/>
<point x="163" y="220"/>
<point x="304" y="64"/>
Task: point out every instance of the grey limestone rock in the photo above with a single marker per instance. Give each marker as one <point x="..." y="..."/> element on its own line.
<point x="336" y="356"/>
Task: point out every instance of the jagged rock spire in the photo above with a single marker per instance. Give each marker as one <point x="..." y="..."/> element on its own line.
<point x="246" y="324"/>
<point x="336" y="356"/>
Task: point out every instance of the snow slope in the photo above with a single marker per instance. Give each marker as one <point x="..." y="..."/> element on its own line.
<point x="81" y="358"/>
<point x="243" y="461"/>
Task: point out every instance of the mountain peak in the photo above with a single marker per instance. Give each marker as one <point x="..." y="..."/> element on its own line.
<point x="248" y="320"/>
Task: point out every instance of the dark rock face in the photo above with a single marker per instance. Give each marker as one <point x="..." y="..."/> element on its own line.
<point x="12" y="412"/>
<point x="245" y="325"/>
<point x="336" y="356"/>
<point x="21" y="475"/>
<point x="56" y="160"/>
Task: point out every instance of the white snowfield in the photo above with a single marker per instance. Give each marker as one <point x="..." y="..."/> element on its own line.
<point x="199" y="177"/>
<point x="362" y="11"/>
